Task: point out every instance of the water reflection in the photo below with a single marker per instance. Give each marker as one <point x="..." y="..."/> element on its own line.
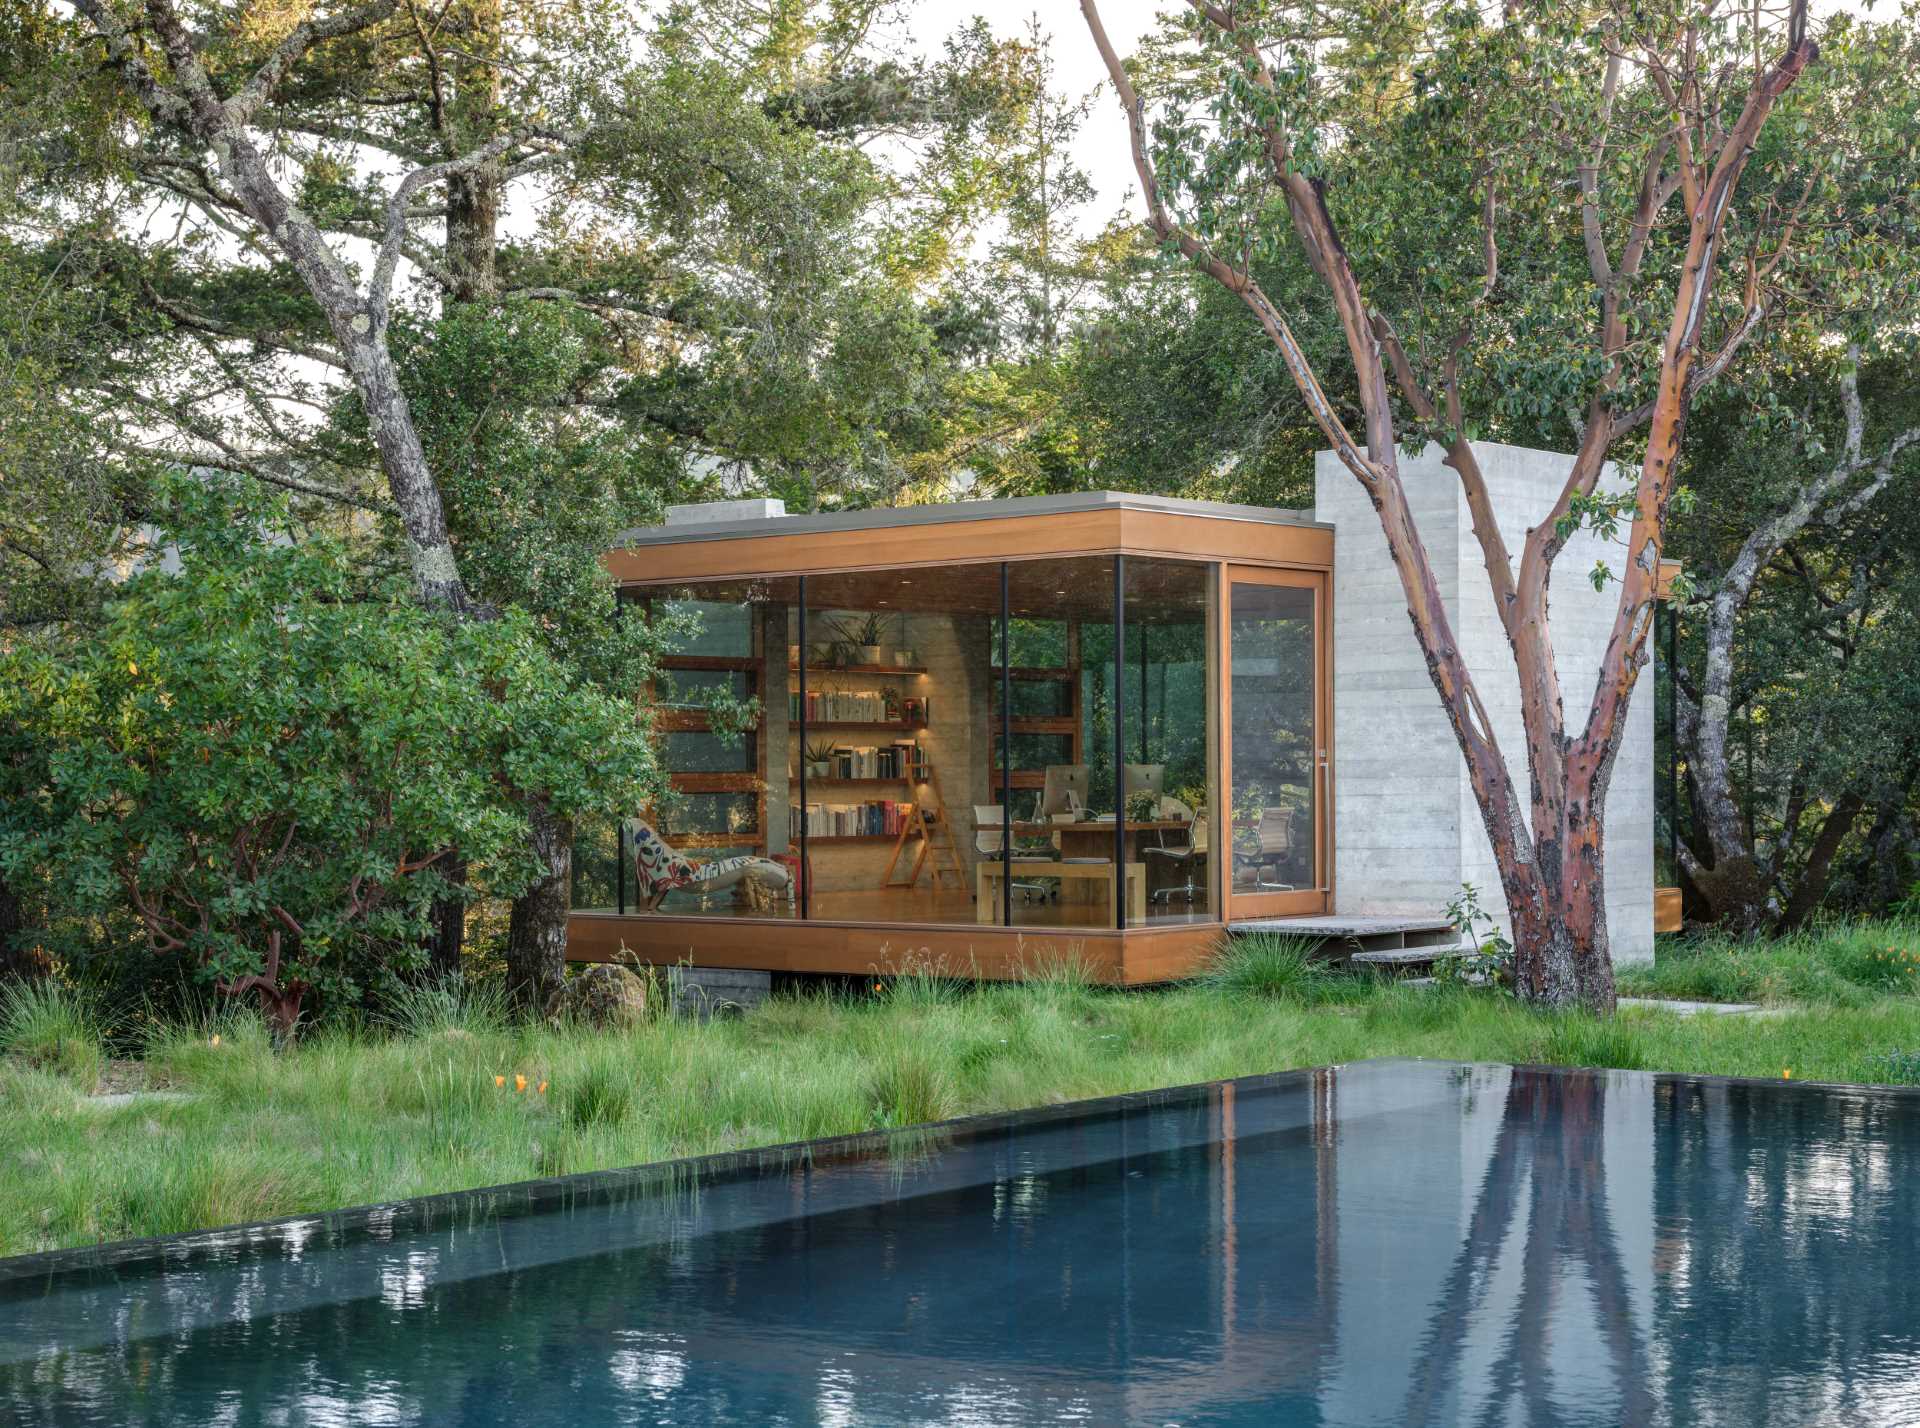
<point x="1382" y="1243"/>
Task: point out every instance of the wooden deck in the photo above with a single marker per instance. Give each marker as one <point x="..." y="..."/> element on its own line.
<point x="883" y="932"/>
<point x="889" y="930"/>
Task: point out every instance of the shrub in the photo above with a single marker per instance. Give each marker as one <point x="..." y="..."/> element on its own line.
<point x="909" y="1087"/>
<point x="53" y="1027"/>
<point x="449" y="1004"/>
<point x="601" y="1094"/>
<point x="262" y="753"/>
<point x="1578" y="1039"/>
<point x="1279" y="968"/>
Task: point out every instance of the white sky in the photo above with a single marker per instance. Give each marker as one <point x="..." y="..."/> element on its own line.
<point x="1101" y="149"/>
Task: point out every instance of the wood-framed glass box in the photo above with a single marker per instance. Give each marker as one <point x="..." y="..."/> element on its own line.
<point x="973" y="738"/>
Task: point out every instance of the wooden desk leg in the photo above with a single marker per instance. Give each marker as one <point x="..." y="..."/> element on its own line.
<point x="1136" y="894"/>
<point x="987" y="897"/>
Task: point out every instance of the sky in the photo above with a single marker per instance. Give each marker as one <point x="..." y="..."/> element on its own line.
<point x="1101" y="149"/>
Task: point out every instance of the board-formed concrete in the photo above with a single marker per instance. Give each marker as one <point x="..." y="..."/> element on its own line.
<point x="1407" y="832"/>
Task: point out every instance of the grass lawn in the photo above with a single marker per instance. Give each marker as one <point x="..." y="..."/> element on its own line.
<point x="434" y="1103"/>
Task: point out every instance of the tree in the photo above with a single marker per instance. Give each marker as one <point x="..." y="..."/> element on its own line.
<point x="264" y="758"/>
<point x="1803" y="620"/>
<point x="1628" y="110"/>
<point x="340" y="181"/>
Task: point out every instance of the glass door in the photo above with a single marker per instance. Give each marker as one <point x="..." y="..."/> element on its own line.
<point x="1276" y="749"/>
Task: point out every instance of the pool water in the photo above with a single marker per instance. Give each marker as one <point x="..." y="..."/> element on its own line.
<point x="1386" y="1242"/>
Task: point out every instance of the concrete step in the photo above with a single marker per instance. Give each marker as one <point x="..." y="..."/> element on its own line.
<point x="1411" y="959"/>
<point x="1342" y="935"/>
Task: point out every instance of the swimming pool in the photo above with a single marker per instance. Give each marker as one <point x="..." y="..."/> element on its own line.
<point x="1383" y="1242"/>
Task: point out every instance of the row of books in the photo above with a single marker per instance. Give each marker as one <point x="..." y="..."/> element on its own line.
<point x="851" y="820"/>
<point x="903" y="759"/>
<point x="855" y="706"/>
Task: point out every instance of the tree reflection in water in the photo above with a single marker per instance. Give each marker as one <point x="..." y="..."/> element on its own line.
<point x="1546" y="1181"/>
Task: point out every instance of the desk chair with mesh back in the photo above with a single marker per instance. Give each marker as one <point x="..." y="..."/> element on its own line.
<point x="1183" y="850"/>
<point x="989" y="837"/>
<point x="1273" y="843"/>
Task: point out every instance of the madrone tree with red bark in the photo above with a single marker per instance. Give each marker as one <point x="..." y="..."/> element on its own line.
<point x="1612" y="150"/>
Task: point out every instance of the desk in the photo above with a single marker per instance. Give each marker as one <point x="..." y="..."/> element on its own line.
<point x="1095" y="840"/>
<point x="987" y="891"/>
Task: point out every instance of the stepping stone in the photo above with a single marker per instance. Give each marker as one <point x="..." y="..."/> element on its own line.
<point x="1680" y="1008"/>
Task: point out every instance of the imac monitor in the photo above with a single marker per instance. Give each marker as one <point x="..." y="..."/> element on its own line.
<point x="1150" y="778"/>
<point x="1065" y="790"/>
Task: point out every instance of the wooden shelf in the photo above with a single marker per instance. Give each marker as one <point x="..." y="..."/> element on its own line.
<point x="829" y="778"/>
<point x="857" y="724"/>
<point x="860" y="669"/>
<point x="813" y="838"/>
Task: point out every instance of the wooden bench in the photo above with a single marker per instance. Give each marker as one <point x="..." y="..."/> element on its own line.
<point x="987" y="892"/>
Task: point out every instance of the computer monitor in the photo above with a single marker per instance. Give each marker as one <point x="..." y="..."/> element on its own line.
<point x="1065" y="790"/>
<point x="1147" y="778"/>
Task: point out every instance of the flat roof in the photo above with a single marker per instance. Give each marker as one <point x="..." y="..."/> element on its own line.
<point x="952" y="512"/>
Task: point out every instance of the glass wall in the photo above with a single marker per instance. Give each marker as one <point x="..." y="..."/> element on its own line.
<point x="716" y="843"/>
<point x="1276" y="742"/>
<point x="1054" y="716"/>
<point x="1167" y="706"/>
<point x="881" y="747"/>
<point x="894" y="721"/>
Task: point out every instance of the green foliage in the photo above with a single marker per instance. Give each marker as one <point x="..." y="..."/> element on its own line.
<point x="263" y="756"/>
<point x="1573" y="1040"/>
<point x="353" y="1118"/>
<point x="447" y="1006"/>
<point x="54" y="1027"/>
<point x="602" y="1095"/>
<point x="1280" y="968"/>
<point x="1492" y="956"/>
<point x="909" y="1087"/>
<point x="1843" y="964"/>
<point x="1827" y="648"/>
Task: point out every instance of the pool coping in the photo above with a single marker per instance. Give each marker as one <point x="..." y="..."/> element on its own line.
<point x="391" y="1219"/>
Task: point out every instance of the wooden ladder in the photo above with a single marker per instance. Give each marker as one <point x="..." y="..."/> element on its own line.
<point x="936" y="837"/>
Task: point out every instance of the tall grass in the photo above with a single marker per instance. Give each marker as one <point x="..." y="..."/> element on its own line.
<point x="55" y="1028"/>
<point x="441" y="1095"/>
<point x="1844" y="964"/>
<point x="1280" y="968"/>
<point x="445" y="1005"/>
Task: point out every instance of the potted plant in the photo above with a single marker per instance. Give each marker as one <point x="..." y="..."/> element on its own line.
<point x="819" y="757"/>
<point x="865" y="636"/>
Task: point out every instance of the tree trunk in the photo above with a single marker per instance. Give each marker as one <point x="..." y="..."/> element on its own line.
<point x="1561" y="953"/>
<point x="473" y="197"/>
<point x="537" y="930"/>
<point x="1812" y="886"/>
<point x="447" y="935"/>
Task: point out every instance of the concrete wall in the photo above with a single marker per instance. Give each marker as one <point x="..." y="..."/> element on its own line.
<point x="1407" y="829"/>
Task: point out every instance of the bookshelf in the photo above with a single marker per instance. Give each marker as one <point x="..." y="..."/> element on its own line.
<point x="860" y="669"/>
<point x="878" y="726"/>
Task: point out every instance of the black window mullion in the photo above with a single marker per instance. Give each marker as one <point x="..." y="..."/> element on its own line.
<point x="1120" y="742"/>
<point x="1006" y="755"/>
<point x="620" y="824"/>
<point x="799" y="756"/>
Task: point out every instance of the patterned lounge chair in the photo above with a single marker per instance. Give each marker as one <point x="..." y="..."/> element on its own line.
<point x="660" y="869"/>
